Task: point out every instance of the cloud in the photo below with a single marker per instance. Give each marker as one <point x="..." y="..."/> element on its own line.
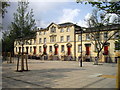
<point x="51" y="0"/>
<point x="87" y="17"/>
<point x="83" y="23"/>
<point x="69" y="15"/>
<point x="113" y="17"/>
<point x="42" y="24"/>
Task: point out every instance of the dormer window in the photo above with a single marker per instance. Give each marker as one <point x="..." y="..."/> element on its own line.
<point x="53" y="29"/>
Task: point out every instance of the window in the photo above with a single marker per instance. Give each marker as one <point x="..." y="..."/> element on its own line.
<point x="30" y="49"/>
<point x="40" y="49"/>
<point x="68" y="38"/>
<point x="40" y="33"/>
<point x="79" y="48"/>
<point x="105" y="35"/>
<point x="98" y="36"/>
<point x="34" y="41"/>
<point x="117" y="46"/>
<point x="117" y="35"/>
<point x="79" y="37"/>
<point x="23" y="49"/>
<point x="44" y="32"/>
<point x="53" y="29"/>
<point x="44" y="40"/>
<point x="30" y="42"/>
<point x="87" y="37"/>
<point x="61" y="30"/>
<point x="50" y="48"/>
<point x="16" y="49"/>
<point x="68" y="29"/>
<point x="26" y="42"/>
<point x="40" y="40"/>
<point x="52" y="38"/>
<point x="62" y="48"/>
<point x="61" y="38"/>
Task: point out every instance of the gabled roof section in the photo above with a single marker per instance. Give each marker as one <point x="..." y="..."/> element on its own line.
<point x="52" y="24"/>
<point x="59" y="25"/>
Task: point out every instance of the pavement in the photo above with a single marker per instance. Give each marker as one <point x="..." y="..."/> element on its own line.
<point x="59" y="74"/>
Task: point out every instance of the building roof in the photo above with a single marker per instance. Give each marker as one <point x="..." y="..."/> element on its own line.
<point x="103" y="28"/>
<point x="59" y="25"/>
<point x="66" y="24"/>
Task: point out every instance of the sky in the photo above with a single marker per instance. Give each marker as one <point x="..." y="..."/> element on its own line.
<point x="46" y="12"/>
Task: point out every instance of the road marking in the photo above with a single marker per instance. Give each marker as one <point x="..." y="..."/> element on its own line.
<point x="107" y="76"/>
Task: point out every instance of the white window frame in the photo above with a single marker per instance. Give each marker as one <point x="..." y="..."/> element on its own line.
<point x="68" y="29"/>
<point x="105" y="35"/>
<point x="68" y="38"/>
<point x="45" y="40"/>
<point x="87" y="36"/>
<point x="40" y="40"/>
<point x="62" y="30"/>
<point x="62" y="39"/>
<point x="79" y="37"/>
<point x="79" y="48"/>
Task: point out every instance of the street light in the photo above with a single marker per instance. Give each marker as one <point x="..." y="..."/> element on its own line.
<point x="80" y="31"/>
<point x="81" y="50"/>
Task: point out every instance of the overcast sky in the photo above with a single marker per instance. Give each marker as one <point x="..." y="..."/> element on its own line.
<point x="57" y="12"/>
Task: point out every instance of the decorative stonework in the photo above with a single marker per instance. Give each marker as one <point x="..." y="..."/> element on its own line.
<point x="107" y="44"/>
<point x="88" y="44"/>
<point x="56" y="45"/>
<point x="69" y="45"/>
<point x="44" y="46"/>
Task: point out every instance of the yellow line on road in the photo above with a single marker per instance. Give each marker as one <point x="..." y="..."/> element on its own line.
<point x="108" y="76"/>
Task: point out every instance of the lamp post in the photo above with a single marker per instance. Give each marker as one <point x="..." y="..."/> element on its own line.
<point x="80" y="31"/>
<point x="81" y="51"/>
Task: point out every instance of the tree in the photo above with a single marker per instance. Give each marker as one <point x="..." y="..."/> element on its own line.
<point x="2" y="13"/>
<point x="23" y="26"/>
<point x="110" y="6"/>
<point x="3" y="8"/>
<point x="97" y="23"/>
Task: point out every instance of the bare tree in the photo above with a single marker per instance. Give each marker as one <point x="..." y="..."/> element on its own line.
<point x="99" y="22"/>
